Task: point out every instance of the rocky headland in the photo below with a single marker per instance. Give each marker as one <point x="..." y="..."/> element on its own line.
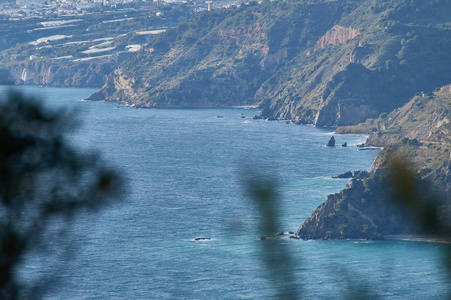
<point x="379" y="204"/>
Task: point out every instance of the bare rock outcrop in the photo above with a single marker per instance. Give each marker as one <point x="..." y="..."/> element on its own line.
<point x="336" y="36"/>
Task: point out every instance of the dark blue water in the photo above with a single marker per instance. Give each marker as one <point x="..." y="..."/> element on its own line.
<point x="183" y="169"/>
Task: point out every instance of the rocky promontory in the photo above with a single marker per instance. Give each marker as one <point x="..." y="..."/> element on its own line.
<point x="360" y="211"/>
<point x="409" y="178"/>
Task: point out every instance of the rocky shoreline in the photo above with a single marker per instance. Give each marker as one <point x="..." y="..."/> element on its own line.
<point x="368" y="68"/>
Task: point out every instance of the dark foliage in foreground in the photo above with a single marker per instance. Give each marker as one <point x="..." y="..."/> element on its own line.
<point x="44" y="184"/>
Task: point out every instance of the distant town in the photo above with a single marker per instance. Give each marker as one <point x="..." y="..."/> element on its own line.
<point x="33" y="8"/>
<point x="47" y="42"/>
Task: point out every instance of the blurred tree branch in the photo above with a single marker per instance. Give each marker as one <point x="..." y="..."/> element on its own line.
<point x="44" y="184"/>
<point x="262" y="189"/>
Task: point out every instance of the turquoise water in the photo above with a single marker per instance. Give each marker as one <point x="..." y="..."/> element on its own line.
<point x="183" y="169"/>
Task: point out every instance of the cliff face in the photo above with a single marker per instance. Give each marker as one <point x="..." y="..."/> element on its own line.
<point x="347" y="98"/>
<point x="417" y="133"/>
<point x="64" y="74"/>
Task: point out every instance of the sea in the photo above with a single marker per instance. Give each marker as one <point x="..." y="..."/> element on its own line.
<point x="187" y="227"/>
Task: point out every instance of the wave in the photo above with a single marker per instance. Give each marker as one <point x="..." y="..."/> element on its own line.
<point x="318" y="177"/>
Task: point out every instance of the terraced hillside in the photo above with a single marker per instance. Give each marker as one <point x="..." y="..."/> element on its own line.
<point x="79" y="49"/>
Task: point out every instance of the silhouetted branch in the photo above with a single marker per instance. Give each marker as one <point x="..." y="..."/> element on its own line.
<point x="44" y="183"/>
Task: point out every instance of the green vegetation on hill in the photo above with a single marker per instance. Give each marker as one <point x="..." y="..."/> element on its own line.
<point x="381" y="68"/>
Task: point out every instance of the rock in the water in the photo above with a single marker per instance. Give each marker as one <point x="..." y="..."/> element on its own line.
<point x="344" y="175"/>
<point x="202" y="239"/>
<point x="331" y="142"/>
<point x="345" y="145"/>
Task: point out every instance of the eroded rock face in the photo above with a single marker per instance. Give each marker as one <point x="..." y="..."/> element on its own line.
<point x="336" y="36"/>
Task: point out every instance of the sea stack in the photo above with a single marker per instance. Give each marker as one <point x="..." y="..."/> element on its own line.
<point x="331" y="142"/>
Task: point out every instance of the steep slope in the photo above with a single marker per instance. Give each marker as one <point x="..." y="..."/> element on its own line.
<point x="329" y="63"/>
<point x="418" y="133"/>
<point x="392" y="56"/>
<point x="222" y="58"/>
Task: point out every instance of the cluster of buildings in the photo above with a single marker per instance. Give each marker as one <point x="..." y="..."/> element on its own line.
<point x="24" y="3"/>
<point x="8" y="5"/>
<point x="24" y="8"/>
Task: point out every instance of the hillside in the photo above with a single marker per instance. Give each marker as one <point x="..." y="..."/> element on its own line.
<point x="327" y="63"/>
<point x="395" y="53"/>
<point x="419" y="134"/>
<point x="220" y="58"/>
